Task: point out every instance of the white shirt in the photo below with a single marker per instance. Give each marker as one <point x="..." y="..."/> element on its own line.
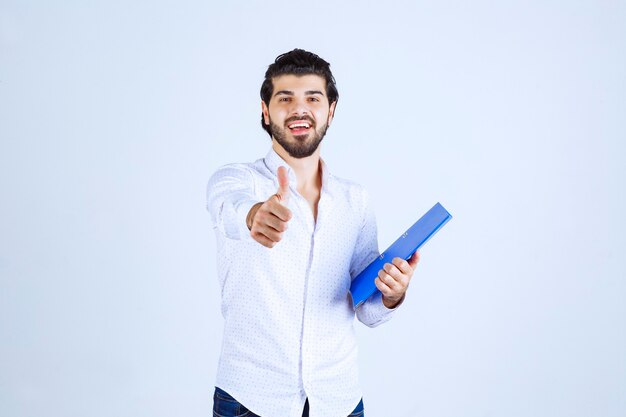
<point x="288" y="331"/>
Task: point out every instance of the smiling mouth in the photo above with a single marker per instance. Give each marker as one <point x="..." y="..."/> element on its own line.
<point x="299" y="127"/>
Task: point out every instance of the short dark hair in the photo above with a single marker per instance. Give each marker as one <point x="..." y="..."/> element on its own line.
<point x="297" y="62"/>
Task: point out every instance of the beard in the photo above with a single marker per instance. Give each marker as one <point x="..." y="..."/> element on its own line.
<point x="301" y="146"/>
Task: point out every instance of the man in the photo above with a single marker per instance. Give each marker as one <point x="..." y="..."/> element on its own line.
<point x="290" y="238"/>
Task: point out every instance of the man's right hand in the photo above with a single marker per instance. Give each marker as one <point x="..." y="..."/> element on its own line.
<point x="267" y="220"/>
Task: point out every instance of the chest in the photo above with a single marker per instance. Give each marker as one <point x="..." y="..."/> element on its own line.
<point x="312" y="198"/>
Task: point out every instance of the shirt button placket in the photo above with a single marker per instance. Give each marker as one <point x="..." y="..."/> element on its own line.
<point x="307" y="338"/>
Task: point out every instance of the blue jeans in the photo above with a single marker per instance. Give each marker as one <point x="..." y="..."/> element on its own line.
<point x="226" y="406"/>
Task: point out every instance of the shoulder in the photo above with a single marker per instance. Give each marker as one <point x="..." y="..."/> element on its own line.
<point x="239" y="170"/>
<point x="235" y="170"/>
<point x="242" y="169"/>
<point x="232" y="176"/>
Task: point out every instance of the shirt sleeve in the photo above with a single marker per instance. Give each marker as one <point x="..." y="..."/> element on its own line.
<point x="372" y="312"/>
<point x="230" y="196"/>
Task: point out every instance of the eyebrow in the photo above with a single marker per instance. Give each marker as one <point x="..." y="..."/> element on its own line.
<point x="306" y="93"/>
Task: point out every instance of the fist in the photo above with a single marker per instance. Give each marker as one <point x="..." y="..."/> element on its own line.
<point x="393" y="280"/>
<point x="267" y="220"/>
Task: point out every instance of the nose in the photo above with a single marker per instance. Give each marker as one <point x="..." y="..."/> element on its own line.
<point x="299" y="107"/>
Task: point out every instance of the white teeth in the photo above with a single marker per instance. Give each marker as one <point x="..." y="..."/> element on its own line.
<point x="296" y="125"/>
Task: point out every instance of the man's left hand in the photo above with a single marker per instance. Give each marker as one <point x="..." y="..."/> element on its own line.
<point x="394" y="278"/>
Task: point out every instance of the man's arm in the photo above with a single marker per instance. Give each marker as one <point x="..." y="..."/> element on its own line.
<point x="237" y="212"/>
<point x="230" y="195"/>
<point x="392" y="280"/>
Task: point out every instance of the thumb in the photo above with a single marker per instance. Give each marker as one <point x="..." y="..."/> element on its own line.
<point x="283" y="185"/>
<point x="414" y="259"/>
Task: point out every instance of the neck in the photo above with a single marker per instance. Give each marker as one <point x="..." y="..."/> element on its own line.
<point x="307" y="169"/>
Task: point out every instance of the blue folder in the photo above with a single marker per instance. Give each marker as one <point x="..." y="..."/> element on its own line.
<point x="363" y="286"/>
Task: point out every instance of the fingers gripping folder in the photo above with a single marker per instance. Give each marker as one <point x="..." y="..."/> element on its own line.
<point x="404" y="247"/>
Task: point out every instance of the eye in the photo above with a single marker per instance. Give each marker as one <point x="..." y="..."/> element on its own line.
<point x="314" y="99"/>
<point x="284" y="99"/>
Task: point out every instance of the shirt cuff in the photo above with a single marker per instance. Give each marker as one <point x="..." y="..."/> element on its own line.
<point x="373" y="312"/>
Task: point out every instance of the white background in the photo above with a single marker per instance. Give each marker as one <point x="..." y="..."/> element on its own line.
<point x="114" y="114"/>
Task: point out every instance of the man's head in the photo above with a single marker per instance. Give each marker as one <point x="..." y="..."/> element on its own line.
<point x="298" y="96"/>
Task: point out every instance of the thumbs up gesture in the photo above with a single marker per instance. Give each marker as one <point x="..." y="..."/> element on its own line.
<point x="267" y="220"/>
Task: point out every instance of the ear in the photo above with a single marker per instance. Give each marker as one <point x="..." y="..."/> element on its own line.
<point x="331" y="111"/>
<point x="266" y="113"/>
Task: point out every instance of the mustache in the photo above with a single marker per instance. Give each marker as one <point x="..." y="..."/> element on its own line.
<point x="300" y="118"/>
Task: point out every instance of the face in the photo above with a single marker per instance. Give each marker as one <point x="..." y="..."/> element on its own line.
<point x="298" y="113"/>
